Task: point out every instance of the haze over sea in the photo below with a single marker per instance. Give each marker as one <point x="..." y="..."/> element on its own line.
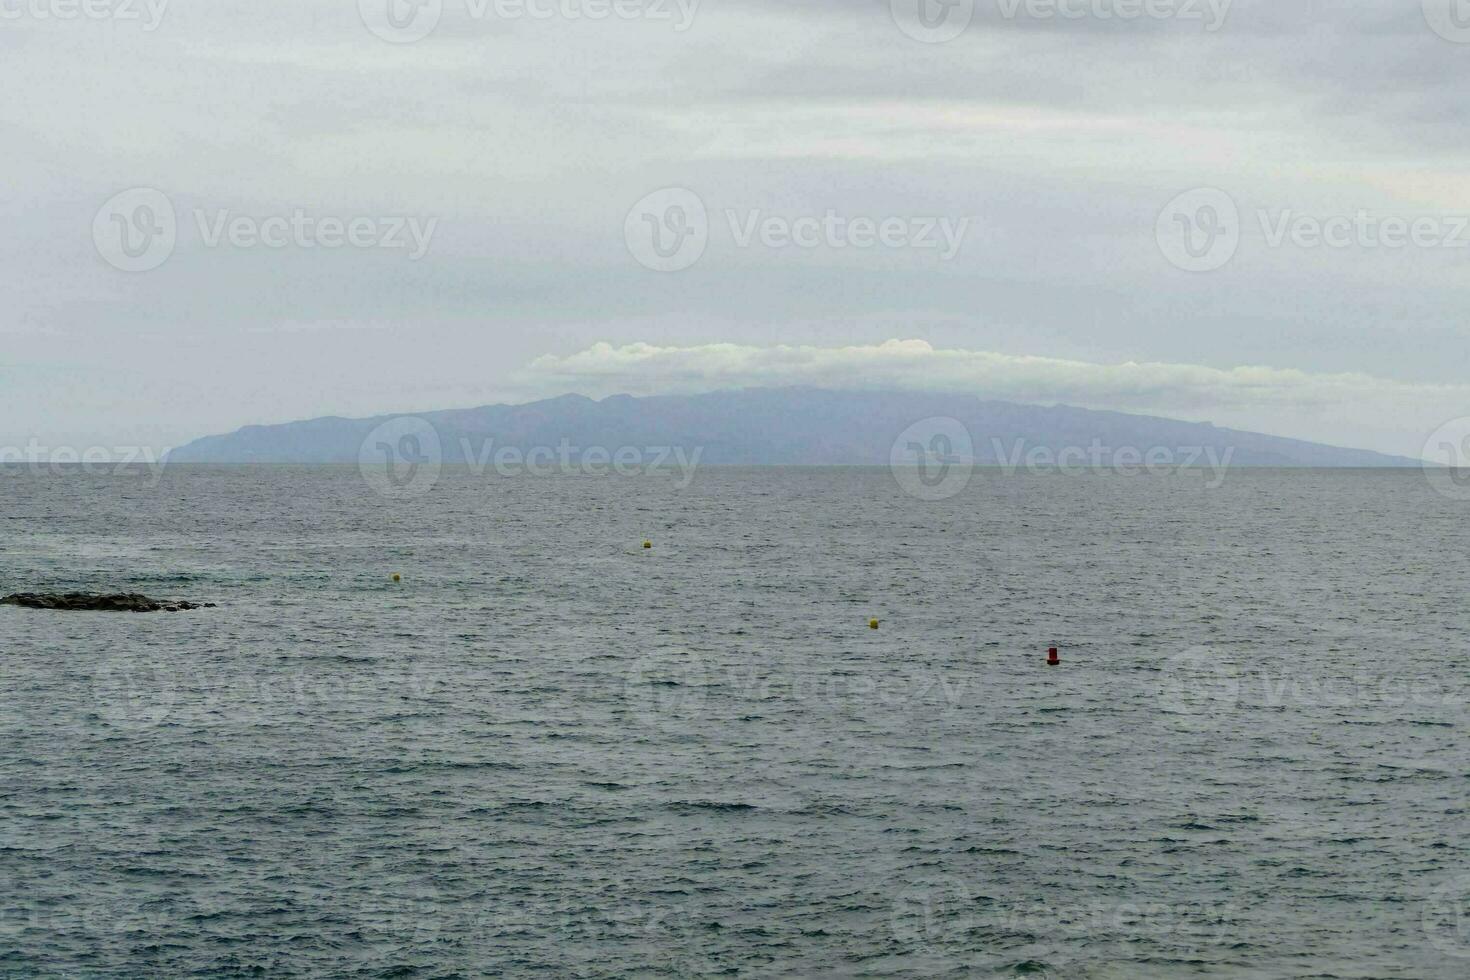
<point x="551" y="752"/>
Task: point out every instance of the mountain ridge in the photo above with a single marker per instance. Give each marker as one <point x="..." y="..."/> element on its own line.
<point x="779" y="426"/>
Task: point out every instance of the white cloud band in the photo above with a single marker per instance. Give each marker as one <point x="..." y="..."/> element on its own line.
<point x="1397" y="415"/>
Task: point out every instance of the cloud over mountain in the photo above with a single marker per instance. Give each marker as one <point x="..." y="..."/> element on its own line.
<point x="1244" y="395"/>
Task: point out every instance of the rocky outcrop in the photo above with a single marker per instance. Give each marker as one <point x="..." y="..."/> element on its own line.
<point x="86" y="602"/>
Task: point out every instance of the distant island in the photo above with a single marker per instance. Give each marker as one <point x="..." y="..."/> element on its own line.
<point x="787" y="426"/>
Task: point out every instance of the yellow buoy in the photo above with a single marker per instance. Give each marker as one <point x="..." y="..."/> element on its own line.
<point x="872" y="624"/>
<point x="397" y="577"/>
<point x="647" y="544"/>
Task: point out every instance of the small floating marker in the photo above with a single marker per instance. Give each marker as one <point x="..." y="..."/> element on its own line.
<point x="647" y="545"/>
<point x="872" y="624"/>
<point x="1053" y="658"/>
<point x="397" y="577"/>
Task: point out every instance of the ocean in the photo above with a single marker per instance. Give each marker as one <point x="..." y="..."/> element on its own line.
<point x="548" y="751"/>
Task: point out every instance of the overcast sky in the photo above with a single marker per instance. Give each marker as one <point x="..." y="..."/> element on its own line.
<point x="1003" y="190"/>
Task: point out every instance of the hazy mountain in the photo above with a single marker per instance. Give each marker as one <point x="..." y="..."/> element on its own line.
<point x="779" y="426"/>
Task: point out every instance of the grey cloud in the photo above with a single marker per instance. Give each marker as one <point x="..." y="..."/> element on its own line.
<point x="1236" y="395"/>
<point x="529" y="142"/>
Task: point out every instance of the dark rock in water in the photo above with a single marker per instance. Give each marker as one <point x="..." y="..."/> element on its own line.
<point x="86" y="602"/>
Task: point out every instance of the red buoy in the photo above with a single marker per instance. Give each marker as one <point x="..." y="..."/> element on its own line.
<point x="1053" y="658"/>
